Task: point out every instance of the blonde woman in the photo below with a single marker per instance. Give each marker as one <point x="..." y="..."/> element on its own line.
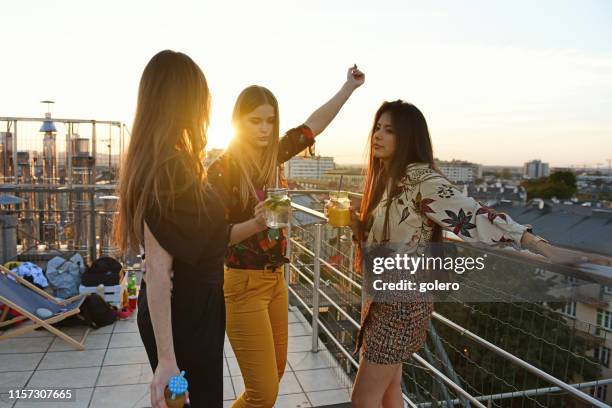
<point x="167" y="207"/>
<point x="255" y="291"/>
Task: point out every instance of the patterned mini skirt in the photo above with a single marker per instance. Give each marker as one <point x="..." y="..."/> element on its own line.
<point x="391" y="332"/>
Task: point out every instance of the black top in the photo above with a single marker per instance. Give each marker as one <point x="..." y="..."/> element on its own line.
<point x="196" y="238"/>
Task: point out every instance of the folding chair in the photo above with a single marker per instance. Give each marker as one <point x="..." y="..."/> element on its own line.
<point x="24" y="297"/>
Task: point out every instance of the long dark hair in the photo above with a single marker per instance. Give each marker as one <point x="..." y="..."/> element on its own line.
<point x="412" y="145"/>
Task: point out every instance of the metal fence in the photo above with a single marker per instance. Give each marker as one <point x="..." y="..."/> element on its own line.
<point x="494" y="354"/>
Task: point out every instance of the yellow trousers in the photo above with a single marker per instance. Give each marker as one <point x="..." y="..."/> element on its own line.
<point x="256" y="306"/>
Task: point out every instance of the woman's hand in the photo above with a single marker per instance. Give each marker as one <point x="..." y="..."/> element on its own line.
<point x="165" y="369"/>
<point x="260" y="216"/>
<point x="355" y="221"/>
<point x="570" y="257"/>
<point x="248" y="228"/>
<point x="354" y="77"/>
<point x="322" y="117"/>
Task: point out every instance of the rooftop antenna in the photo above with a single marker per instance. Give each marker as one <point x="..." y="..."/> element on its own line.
<point x="48" y="105"/>
<point x="48" y="126"/>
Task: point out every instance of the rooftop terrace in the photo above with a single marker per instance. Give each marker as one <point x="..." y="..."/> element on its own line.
<point x="113" y="370"/>
<point x="506" y="352"/>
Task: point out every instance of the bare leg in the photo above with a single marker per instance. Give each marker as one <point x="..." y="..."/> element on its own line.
<point x="393" y="394"/>
<point x="372" y="382"/>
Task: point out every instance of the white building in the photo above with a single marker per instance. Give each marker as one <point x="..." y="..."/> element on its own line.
<point x="536" y="169"/>
<point x="459" y="171"/>
<point x="311" y="168"/>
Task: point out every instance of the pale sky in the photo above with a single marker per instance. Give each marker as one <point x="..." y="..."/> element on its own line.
<point x="500" y="83"/>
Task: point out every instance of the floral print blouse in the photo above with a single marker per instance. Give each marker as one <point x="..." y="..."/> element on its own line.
<point x="424" y="197"/>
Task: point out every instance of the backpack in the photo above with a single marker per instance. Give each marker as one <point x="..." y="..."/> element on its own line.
<point x="104" y="270"/>
<point x="94" y="312"/>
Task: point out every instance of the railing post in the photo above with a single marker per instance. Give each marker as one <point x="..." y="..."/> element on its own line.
<point x="315" y="288"/>
<point x="288" y="265"/>
<point x="69" y="154"/>
<point x="92" y="225"/>
<point x="94" y="151"/>
<point x="352" y="258"/>
<point x="15" y="152"/>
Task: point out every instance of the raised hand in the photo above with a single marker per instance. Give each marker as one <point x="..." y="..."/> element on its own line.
<point x="354" y="77"/>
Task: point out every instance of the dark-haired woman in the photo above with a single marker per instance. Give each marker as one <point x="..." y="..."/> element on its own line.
<point x="255" y="290"/>
<point x="167" y="207"/>
<point x="408" y="201"/>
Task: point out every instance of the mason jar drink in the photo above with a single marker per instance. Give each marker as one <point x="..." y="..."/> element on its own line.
<point x="278" y="208"/>
<point x="338" y="213"/>
<point x="176" y="391"/>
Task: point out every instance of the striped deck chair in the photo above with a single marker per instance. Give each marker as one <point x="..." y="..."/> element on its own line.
<point x="19" y="294"/>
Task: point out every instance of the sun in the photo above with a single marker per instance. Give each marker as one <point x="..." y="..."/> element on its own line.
<point x="219" y="135"/>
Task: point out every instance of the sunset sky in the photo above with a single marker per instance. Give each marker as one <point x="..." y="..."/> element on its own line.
<point x="499" y="82"/>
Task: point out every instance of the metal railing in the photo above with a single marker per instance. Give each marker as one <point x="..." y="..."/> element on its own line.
<point x="322" y="287"/>
<point x="82" y="214"/>
<point x="302" y="275"/>
<point x="22" y="135"/>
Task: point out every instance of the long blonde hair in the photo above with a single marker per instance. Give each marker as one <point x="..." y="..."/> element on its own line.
<point x="254" y="170"/>
<point x="166" y="149"/>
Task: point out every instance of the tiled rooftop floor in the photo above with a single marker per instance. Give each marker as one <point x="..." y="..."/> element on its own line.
<point x="114" y="371"/>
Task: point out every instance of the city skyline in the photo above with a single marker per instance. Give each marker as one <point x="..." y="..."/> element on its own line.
<point x="36" y="146"/>
<point x="500" y="84"/>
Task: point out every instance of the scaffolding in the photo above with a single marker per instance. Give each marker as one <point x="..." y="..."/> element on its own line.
<point x="53" y="166"/>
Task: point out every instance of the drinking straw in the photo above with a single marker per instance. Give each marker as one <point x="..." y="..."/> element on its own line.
<point x="340" y="182"/>
<point x="276" y="178"/>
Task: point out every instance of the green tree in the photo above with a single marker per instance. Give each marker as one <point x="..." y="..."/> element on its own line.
<point x="566" y="177"/>
<point x="560" y="184"/>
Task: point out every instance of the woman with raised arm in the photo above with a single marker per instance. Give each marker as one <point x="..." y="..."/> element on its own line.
<point x="166" y="206"/>
<point x="407" y="202"/>
<point x="255" y="290"/>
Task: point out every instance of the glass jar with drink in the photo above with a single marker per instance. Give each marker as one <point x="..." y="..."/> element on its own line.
<point x="277" y="207"/>
<point x="176" y="391"/>
<point x="337" y="209"/>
